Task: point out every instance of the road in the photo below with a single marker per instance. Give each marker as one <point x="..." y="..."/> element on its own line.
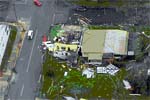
<point x="28" y="65"/>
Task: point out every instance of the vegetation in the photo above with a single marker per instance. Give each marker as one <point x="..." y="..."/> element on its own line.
<point x="9" y="47"/>
<point x="108" y="3"/>
<point x="103" y="27"/>
<point x="137" y="98"/>
<point x="55" y="84"/>
<point x="142" y="42"/>
<point x="92" y="3"/>
<point x="145" y="29"/>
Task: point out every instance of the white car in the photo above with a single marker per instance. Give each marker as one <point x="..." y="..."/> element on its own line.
<point x="30" y="35"/>
<point x="49" y="45"/>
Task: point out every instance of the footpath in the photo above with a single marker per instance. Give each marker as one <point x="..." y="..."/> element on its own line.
<point x="9" y="75"/>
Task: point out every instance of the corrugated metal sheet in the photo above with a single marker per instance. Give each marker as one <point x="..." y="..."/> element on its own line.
<point x="116" y="42"/>
<point x="93" y="42"/>
<point x="97" y="42"/>
<point x="95" y="56"/>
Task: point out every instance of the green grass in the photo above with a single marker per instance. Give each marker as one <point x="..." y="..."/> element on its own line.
<point x="103" y="27"/>
<point x="105" y="3"/>
<point x="102" y="85"/>
<point x="9" y="47"/>
<point x="138" y="98"/>
<point x="91" y="3"/>
<point x="108" y="3"/>
<point x="50" y="65"/>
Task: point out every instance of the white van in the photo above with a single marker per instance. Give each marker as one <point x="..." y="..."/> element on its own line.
<point x="30" y="35"/>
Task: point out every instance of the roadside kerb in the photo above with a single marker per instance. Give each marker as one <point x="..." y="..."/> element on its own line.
<point x="17" y="46"/>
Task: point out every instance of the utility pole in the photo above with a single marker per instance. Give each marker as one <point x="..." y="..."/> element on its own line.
<point x="14" y="6"/>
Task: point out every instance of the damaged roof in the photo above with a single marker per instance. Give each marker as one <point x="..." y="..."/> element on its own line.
<point x="97" y="42"/>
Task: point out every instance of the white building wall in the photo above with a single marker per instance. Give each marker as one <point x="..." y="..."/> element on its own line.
<point x="4" y="36"/>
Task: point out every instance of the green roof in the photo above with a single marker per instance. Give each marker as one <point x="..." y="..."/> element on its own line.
<point x="56" y="31"/>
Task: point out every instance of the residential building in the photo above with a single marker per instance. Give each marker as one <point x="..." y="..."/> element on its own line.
<point x="4" y="36"/>
<point x="96" y="43"/>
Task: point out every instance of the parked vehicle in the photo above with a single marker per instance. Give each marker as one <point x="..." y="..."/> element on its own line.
<point x="44" y="41"/>
<point x="61" y="54"/>
<point x="30" y="35"/>
<point x="80" y="9"/>
<point x="47" y="43"/>
<point x="37" y="3"/>
<point x="44" y="38"/>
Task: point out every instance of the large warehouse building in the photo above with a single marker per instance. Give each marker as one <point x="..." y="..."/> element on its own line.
<point x="95" y="43"/>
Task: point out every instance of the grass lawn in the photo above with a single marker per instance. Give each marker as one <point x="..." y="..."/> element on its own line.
<point x="138" y="98"/>
<point x="103" y="85"/>
<point x="105" y="3"/>
<point x="103" y="27"/>
<point x="108" y="3"/>
<point x="9" y="47"/>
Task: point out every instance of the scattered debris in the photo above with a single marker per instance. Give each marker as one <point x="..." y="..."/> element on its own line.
<point x="111" y="69"/>
<point x="68" y="98"/>
<point x="89" y="72"/>
<point x="101" y="70"/>
<point x="126" y="84"/>
<point x="148" y="72"/>
<point x="66" y="73"/>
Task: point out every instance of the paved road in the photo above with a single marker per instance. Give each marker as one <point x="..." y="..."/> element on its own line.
<point x="29" y="63"/>
<point x="4" y="5"/>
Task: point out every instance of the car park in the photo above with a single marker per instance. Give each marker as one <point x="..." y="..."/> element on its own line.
<point x="30" y="35"/>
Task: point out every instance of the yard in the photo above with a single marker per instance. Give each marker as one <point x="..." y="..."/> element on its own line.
<point x="55" y="84"/>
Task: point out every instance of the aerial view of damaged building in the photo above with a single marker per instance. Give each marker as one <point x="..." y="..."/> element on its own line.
<point x="94" y="52"/>
<point x="93" y="46"/>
